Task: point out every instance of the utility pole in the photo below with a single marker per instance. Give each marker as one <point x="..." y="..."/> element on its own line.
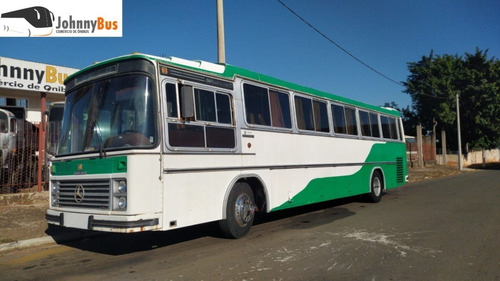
<point x="41" y="138"/>
<point x="443" y="147"/>
<point x="459" y="137"/>
<point x="434" y="124"/>
<point x="221" y="50"/>
<point x="420" y="153"/>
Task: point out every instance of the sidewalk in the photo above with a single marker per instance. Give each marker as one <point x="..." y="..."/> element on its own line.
<point x="23" y="224"/>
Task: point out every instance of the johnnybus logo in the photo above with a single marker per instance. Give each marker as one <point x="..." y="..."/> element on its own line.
<point x="32" y="76"/>
<point x="84" y="26"/>
<point x="59" y="18"/>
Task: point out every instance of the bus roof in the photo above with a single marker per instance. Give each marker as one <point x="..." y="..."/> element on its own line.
<point x="9" y="114"/>
<point x="228" y="71"/>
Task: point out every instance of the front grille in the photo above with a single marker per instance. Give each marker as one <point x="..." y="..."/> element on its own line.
<point x="90" y="194"/>
<point x="399" y="170"/>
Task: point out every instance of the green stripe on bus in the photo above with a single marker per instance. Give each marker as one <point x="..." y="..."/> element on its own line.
<point x="329" y="188"/>
<point x="90" y="166"/>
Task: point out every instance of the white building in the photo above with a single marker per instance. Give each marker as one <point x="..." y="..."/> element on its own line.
<point x="31" y="85"/>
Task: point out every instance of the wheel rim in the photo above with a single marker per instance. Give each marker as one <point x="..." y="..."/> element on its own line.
<point x="243" y="210"/>
<point x="376" y="186"/>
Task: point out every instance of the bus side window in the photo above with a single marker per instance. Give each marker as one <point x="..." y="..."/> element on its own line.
<point x="339" y="125"/>
<point x="394" y="131"/>
<point x="223" y="108"/>
<point x="364" y="120"/>
<point x="386" y="129"/>
<point x="304" y="112"/>
<point x="312" y="115"/>
<point x="3" y="123"/>
<point x="350" y="116"/>
<point x="257" y="105"/>
<point x="205" y="105"/>
<point x="13" y="125"/>
<point x="320" y="117"/>
<point x="280" y="109"/>
<point x="344" y="120"/>
<point x="389" y="128"/>
<point x="171" y="95"/>
<point x="374" y="125"/>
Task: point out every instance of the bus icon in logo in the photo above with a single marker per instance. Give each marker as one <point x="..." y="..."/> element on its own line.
<point x="34" y="21"/>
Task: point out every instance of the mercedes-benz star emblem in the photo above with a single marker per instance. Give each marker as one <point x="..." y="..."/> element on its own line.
<point x="79" y="193"/>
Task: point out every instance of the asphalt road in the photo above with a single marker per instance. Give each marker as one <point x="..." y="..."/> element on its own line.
<point x="442" y="229"/>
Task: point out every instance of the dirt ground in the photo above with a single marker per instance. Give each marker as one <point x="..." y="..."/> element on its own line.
<point x="22" y="216"/>
<point x="418" y="174"/>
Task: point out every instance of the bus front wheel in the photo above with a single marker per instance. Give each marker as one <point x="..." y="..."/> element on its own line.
<point x="240" y="211"/>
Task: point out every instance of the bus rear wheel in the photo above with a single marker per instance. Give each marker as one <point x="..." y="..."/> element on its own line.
<point x="376" y="187"/>
<point x="240" y="211"/>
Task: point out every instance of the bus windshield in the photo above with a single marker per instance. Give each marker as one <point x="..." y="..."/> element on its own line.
<point x="110" y="114"/>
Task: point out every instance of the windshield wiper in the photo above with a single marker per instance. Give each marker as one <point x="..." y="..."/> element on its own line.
<point x="94" y="111"/>
<point x="102" y="152"/>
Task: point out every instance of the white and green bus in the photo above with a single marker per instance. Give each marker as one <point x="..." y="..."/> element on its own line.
<point x="150" y="143"/>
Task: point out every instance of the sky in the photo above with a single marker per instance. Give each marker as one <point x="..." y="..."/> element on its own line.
<point x="263" y="36"/>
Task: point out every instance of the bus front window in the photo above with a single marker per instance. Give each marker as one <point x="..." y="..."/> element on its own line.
<point x="116" y="113"/>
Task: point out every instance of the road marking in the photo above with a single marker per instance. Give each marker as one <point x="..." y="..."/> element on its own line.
<point x="387" y="240"/>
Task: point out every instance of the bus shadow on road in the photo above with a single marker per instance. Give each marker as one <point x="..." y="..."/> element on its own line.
<point x="297" y="218"/>
<point x="310" y="216"/>
<point x="116" y="244"/>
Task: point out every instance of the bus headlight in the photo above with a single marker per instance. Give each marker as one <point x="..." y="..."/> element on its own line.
<point x="54" y="193"/>
<point x="122" y="203"/>
<point x="120" y="195"/>
<point x="122" y="186"/>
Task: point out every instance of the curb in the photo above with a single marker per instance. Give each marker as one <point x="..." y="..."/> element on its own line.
<point x="27" y="243"/>
<point x="56" y="239"/>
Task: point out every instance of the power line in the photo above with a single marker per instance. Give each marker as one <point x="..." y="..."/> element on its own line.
<point x="435" y="97"/>
<point x="338" y="46"/>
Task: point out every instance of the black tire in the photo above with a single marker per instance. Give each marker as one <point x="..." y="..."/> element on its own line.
<point x="376" y="187"/>
<point x="240" y="211"/>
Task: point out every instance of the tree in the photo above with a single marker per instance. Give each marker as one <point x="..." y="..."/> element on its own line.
<point x="433" y="84"/>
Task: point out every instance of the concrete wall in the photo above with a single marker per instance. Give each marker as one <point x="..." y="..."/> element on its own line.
<point x="473" y="157"/>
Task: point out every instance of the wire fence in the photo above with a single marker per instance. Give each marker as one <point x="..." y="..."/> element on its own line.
<point x="21" y="165"/>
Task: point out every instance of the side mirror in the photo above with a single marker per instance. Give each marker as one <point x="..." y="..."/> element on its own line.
<point x="187" y="101"/>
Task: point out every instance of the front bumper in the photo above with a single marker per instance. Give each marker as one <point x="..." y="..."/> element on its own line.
<point x="108" y="223"/>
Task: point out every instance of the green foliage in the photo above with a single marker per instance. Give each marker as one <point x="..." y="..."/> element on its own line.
<point x="433" y="84"/>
